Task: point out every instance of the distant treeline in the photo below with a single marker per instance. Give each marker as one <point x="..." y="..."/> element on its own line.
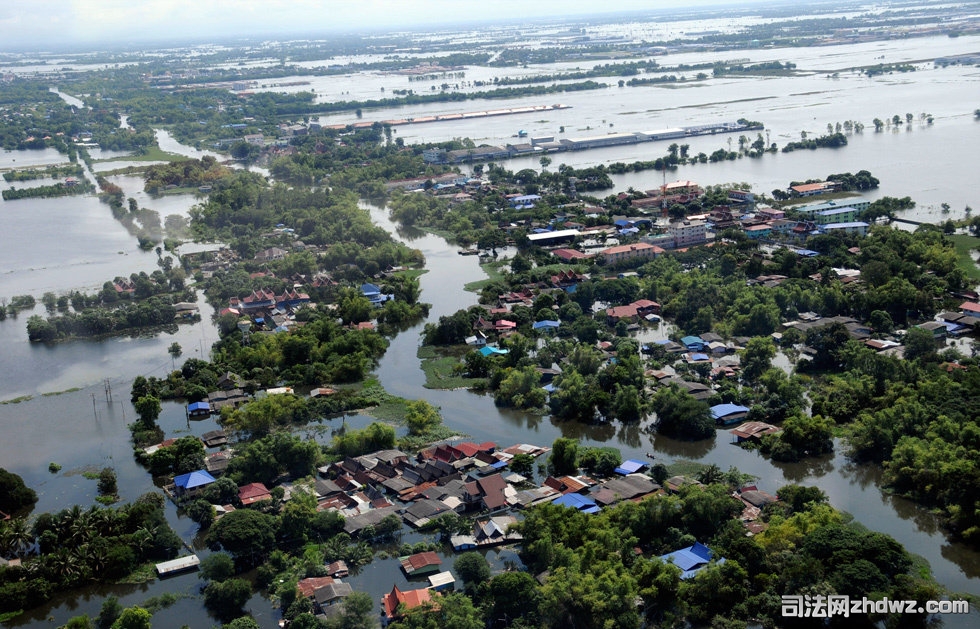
<point x="98" y="321"/>
<point x="71" y="170"/>
<point x="42" y="192"/>
<point x="308" y="107"/>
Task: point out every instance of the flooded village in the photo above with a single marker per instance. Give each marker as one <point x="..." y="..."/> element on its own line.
<point x="352" y="354"/>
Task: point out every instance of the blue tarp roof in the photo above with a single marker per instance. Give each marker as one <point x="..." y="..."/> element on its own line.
<point x="629" y="230"/>
<point x="198" y="406"/>
<point x="193" y="479"/>
<point x="630" y="466"/>
<point x="577" y="501"/>
<point x="367" y="289"/>
<point x="721" y="410"/>
<point x="699" y="356"/>
<point x="486" y="350"/>
<point x="545" y="324"/>
<point x="623" y="223"/>
<point x="808" y="253"/>
<point x="550" y="387"/>
<point x="690" y="559"/>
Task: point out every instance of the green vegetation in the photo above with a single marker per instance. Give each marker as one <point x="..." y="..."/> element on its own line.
<point x="76" y="547"/>
<point x="184" y="174"/>
<point x="43" y="192"/>
<point x="14" y="494"/>
<point x="966" y="252"/>
<point x="443" y="369"/>
<point x="49" y="172"/>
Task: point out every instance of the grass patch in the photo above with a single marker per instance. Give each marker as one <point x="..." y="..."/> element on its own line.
<point x="106" y="500"/>
<point x="7" y="616"/>
<point x="685" y="468"/>
<point x="143" y="574"/>
<point x="965" y="246"/>
<point x="494" y="274"/>
<point x="410" y="273"/>
<point x="392" y="410"/>
<point x="152" y="154"/>
<point x="51" y="393"/>
<point x="418" y="442"/>
<point x="440" y="368"/>
<point x="90" y="475"/>
<point x="156" y="603"/>
<point x="18" y="400"/>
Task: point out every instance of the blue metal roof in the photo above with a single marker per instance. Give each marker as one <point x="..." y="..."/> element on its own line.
<point x="193" y="479"/>
<point x="577" y="501"/>
<point x="545" y="324"/>
<point x="630" y="466"/>
<point x="698" y="356"/>
<point x="691" y="559"/>
<point x="486" y="350"/>
<point x="198" y="406"/>
<point x="721" y="410"/>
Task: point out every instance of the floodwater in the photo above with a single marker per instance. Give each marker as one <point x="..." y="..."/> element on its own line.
<point x="82" y="429"/>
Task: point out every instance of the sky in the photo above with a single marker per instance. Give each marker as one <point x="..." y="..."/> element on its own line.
<point x="56" y="24"/>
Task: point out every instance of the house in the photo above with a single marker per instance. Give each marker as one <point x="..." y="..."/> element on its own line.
<point x="631" y="466"/>
<point x="337" y="569"/>
<point x="578" y="502"/>
<point x="310" y="585"/>
<point x="693" y="343"/>
<point x="570" y="255"/>
<point x="332" y="594"/>
<point x="198" y="409"/>
<point x="322" y="392"/>
<point x="753" y="430"/>
<point x="410" y="599"/>
<point x="252" y="493"/>
<point x="937" y="329"/>
<point x="728" y="413"/>
<point x="638" y="251"/>
<point x="811" y="189"/>
<point x="488" y="491"/>
<point x="217" y="462"/>
<point x="442" y="581"/>
<point x="631" y="487"/>
<point x="274" y="253"/>
<point x="547" y="326"/>
<point x="494" y="531"/>
<point x="489" y="350"/>
<point x="420" y="564"/>
<point x="214" y="438"/>
<point x="690" y="560"/>
<point x="192" y="483"/>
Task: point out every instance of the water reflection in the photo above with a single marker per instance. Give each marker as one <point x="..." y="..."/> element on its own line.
<point x="664" y="446"/>
<point x="809" y="468"/>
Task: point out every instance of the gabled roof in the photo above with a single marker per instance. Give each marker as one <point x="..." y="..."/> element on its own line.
<point x="252" y="493"/>
<point x="419" y="561"/>
<point x="630" y="466"/>
<point x="410" y="598"/>
<point x="191" y="480"/>
<point x="719" y="411"/>
<point x="691" y="559"/>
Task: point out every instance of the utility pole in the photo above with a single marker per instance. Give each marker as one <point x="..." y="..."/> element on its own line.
<point x="108" y="391"/>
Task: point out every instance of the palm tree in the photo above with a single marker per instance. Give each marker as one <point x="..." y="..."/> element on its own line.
<point x="711" y="474"/>
<point x="19" y="534"/>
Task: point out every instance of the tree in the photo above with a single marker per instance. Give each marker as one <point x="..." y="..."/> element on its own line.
<point x="133" y="618"/>
<point x="680" y="415"/>
<point x="110" y="612"/>
<point x="175" y="350"/>
<point x="226" y="598"/>
<point x="919" y="344"/>
<point x="218" y="567"/>
<point x="515" y="595"/>
<point x="248" y="535"/>
<point x="564" y="456"/>
<point x="148" y="408"/>
<point x="472" y="568"/>
<point x="107" y="482"/>
<point x="358" y="613"/>
<point x="599" y="461"/>
<point x="243" y="622"/>
<point x="14" y="494"/>
<point x="421" y="417"/>
<point x="757" y="357"/>
<point x="522" y="464"/>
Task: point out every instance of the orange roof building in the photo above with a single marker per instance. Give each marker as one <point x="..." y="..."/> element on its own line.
<point x="410" y="598"/>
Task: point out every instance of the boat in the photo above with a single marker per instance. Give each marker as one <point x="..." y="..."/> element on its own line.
<point x="522" y="133"/>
